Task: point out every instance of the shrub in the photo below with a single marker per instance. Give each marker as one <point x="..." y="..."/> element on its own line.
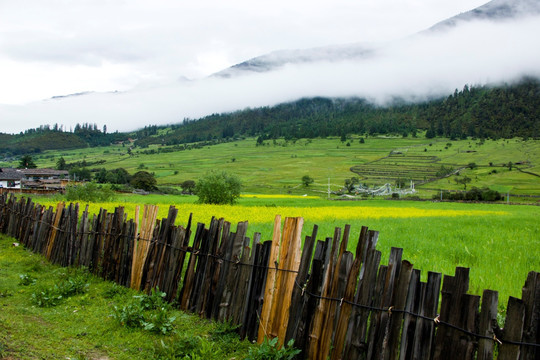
<point x="159" y="322"/>
<point x="306" y="180"/>
<point x="270" y="350"/>
<point x="25" y="280"/>
<point x="218" y="188"/>
<point x="143" y="180"/>
<point x="154" y="300"/>
<point x="188" y="186"/>
<point x="130" y="315"/>
<point x="89" y="192"/>
<point x="46" y="297"/>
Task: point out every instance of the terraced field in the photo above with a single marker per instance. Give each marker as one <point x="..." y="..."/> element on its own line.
<point x="418" y="168"/>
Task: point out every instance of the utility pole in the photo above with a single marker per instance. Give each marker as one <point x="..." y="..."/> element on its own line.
<point x="328" y="188"/>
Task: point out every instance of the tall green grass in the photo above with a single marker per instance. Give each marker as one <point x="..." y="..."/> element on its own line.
<point x="500" y="247"/>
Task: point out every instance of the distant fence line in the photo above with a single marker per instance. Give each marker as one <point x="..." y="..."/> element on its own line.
<point x="333" y="303"/>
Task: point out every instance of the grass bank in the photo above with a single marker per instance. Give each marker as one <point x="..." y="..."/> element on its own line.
<point x="50" y="312"/>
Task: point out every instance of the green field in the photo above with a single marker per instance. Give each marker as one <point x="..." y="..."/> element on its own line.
<point x="277" y="167"/>
<point x="500" y="243"/>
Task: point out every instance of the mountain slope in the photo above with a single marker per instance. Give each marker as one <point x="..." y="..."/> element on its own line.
<point x="495" y="10"/>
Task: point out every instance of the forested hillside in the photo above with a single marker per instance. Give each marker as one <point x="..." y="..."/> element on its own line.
<point x="55" y="138"/>
<point x="478" y="111"/>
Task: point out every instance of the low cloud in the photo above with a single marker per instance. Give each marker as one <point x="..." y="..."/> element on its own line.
<point x="416" y="68"/>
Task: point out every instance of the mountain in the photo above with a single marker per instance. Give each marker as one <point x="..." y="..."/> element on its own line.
<point x="495" y="10"/>
<point x="277" y="59"/>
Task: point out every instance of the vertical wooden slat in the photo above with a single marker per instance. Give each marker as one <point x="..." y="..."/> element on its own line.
<point x="488" y="320"/>
<point x="297" y="303"/>
<point x="423" y="346"/>
<point x="391" y="344"/>
<point x="415" y="294"/>
<point x="513" y="329"/>
<point x="531" y="327"/>
<point x="320" y="316"/>
<point x="454" y="287"/>
<point x="356" y="337"/>
<point x="266" y="320"/>
<point x="348" y="297"/>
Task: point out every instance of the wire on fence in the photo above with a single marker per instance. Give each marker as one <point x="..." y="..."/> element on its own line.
<point x="303" y="288"/>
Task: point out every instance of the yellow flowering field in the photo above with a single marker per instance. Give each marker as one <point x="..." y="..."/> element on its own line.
<point x="498" y="242"/>
<point x="266" y="214"/>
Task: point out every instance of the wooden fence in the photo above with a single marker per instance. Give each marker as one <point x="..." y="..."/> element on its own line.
<point x="333" y="303"/>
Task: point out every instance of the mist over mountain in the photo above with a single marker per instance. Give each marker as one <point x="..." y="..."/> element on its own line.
<point x="495" y="11"/>
<point x="492" y="44"/>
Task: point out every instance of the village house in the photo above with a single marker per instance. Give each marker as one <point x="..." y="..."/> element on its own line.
<point x="33" y="179"/>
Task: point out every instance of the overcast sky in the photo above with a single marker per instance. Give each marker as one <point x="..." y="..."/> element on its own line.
<point x="157" y="54"/>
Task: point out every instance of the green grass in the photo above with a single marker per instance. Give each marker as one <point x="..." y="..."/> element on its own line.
<point x="278" y="168"/>
<point x="500" y="247"/>
<point x="83" y="326"/>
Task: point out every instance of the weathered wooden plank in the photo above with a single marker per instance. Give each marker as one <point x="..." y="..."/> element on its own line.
<point x="414" y="296"/>
<point x="424" y="339"/>
<point x="341" y="269"/>
<point x="220" y="275"/>
<point x="381" y="318"/>
<point x="240" y="295"/>
<point x="266" y="321"/>
<point x="356" y="345"/>
<point x="463" y="342"/>
<point x="531" y="327"/>
<point x="165" y="241"/>
<point x="196" y="298"/>
<point x="251" y="272"/>
<point x="316" y="335"/>
<point x="390" y="348"/>
<point x="374" y="324"/>
<point x="232" y="273"/>
<point x="453" y="289"/>
<point x="262" y="253"/>
<point x="142" y="244"/>
<point x="54" y="230"/>
<point x="513" y="329"/>
<point x="297" y="303"/>
<point x="289" y="262"/>
<point x="348" y="297"/>
<point x="310" y="297"/>
<point x="208" y="291"/>
<point x="488" y="320"/>
<point x="183" y="241"/>
<point x="187" y="287"/>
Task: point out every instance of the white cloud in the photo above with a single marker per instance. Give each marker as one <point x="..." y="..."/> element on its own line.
<point x="143" y="49"/>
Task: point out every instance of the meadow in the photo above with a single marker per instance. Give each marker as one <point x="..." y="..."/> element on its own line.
<point x="500" y="243"/>
<point x="278" y="166"/>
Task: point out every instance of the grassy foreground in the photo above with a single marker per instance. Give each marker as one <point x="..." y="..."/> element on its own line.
<point x="91" y="323"/>
<point x="498" y="242"/>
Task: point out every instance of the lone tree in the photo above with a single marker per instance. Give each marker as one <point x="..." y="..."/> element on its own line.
<point x="61" y="164"/>
<point x="218" y="188"/>
<point x="27" y="162"/>
<point x="463" y="180"/>
<point x="188" y="186"/>
<point x="144" y="180"/>
<point x="306" y="180"/>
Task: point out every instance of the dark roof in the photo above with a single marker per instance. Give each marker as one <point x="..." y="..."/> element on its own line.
<point x="11" y="174"/>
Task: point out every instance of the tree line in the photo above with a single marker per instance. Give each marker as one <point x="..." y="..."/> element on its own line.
<point x="504" y="111"/>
